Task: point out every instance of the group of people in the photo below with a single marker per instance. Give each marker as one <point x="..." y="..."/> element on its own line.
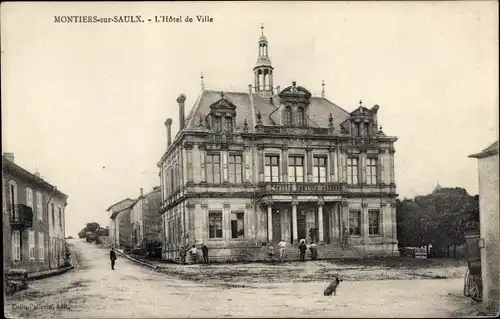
<point x="194" y="251"/>
<point x="302" y="249"/>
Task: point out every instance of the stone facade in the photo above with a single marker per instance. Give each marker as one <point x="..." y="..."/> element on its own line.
<point x="250" y="168"/>
<point x="34" y="220"/>
<point x="145" y="218"/>
<point x="120" y="228"/>
<point x="489" y="219"/>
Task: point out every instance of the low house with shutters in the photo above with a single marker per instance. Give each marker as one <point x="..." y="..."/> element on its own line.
<point x="250" y="168"/>
<point x="33" y="220"/>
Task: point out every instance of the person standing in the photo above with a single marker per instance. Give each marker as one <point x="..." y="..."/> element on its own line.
<point x="314" y="251"/>
<point x="112" y="257"/>
<point x="302" y="250"/>
<point x="282" y="247"/>
<point x="194" y="254"/>
<point x="204" y="250"/>
<point x="183" y="255"/>
<point x="345" y="235"/>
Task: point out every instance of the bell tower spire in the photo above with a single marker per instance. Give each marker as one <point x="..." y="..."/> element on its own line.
<point x="263" y="70"/>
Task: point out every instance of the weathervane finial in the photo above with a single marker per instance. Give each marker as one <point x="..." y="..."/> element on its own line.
<point x="323" y="89"/>
<point x="360" y="102"/>
<point x="202" y="84"/>
<point x="262" y="28"/>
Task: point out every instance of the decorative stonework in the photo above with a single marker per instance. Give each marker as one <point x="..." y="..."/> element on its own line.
<point x="226" y="205"/>
<point x="204" y="206"/>
<point x="383" y="204"/>
<point x="188" y="145"/>
<point x="365" y="205"/>
<point x="190" y="206"/>
<point x="392" y="151"/>
<point x="248" y="206"/>
<point x="202" y="146"/>
<point x="321" y="202"/>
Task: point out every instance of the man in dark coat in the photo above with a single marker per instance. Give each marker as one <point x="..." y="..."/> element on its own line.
<point x="112" y="257"/>
<point x="302" y="249"/>
<point x="183" y="255"/>
<point x="204" y="250"/>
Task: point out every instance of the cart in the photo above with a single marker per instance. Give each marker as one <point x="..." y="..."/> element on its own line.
<point x="473" y="286"/>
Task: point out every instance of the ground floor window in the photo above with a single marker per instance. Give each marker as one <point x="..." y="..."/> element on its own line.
<point x="215" y="224"/>
<point x="16" y="245"/>
<point x="355" y="222"/>
<point x="41" y="249"/>
<point x="374" y="222"/>
<point x="237" y="225"/>
<point x="31" y="245"/>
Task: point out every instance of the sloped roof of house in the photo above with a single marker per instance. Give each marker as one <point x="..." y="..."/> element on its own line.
<point x="248" y="105"/>
<point x="123" y="203"/>
<point x="490" y="150"/>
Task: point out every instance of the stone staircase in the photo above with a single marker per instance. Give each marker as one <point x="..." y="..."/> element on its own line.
<point x="325" y="251"/>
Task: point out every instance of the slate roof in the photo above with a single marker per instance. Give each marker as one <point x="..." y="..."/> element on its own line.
<point x="490" y="150"/>
<point x="248" y="105"/>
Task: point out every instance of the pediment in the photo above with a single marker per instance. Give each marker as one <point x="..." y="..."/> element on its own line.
<point x="294" y="90"/>
<point x="223" y="104"/>
<point x="361" y="111"/>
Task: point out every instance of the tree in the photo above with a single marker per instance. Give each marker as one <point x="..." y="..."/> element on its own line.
<point x="82" y="233"/>
<point x="92" y="227"/>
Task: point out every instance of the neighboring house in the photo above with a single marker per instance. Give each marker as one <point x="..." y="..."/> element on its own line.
<point x="145" y="218"/>
<point x="119" y="222"/>
<point x="489" y="220"/>
<point x="249" y="168"/>
<point x="34" y="219"/>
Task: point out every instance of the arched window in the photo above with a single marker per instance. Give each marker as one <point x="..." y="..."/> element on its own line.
<point x="287" y="116"/>
<point x="301" y="117"/>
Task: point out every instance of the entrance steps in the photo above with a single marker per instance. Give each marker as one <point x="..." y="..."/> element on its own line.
<point x="325" y="251"/>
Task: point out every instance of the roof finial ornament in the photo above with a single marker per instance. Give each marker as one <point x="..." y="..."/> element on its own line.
<point x="360" y="103"/>
<point x="330" y="120"/>
<point x="323" y="89"/>
<point x="201" y="121"/>
<point x="380" y="130"/>
<point x="262" y="28"/>
<point x="259" y="118"/>
<point x="222" y="95"/>
<point x="202" y="84"/>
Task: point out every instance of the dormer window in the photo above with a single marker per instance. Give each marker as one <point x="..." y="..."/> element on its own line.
<point x="355" y="129"/>
<point x="287" y="116"/>
<point x="228" y="124"/>
<point x="301" y="117"/>
<point x="217" y="124"/>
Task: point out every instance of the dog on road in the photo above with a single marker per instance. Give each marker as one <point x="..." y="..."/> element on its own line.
<point x="332" y="287"/>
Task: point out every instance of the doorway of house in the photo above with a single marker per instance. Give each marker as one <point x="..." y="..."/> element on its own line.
<point x="301" y="225"/>
<point x="276" y="218"/>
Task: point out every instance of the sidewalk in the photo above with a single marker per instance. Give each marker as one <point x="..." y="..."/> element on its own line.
<point x="48" y="273"/>
<point x="121" y="253"/>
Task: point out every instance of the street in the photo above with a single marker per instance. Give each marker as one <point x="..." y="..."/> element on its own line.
<point x="93" y="290"/>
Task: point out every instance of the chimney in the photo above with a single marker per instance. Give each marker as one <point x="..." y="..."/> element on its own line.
<point x="168" y="124"/>
<point x="180" y="101"/>
<point x="142" y="192"/>
<point x="9" y="156"/>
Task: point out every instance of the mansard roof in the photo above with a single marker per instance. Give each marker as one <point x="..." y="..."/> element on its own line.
<point x="248" y="105"/>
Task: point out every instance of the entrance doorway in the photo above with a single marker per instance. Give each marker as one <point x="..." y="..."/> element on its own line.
<point x="276" y="218"/>
<point x="301" y="225"/>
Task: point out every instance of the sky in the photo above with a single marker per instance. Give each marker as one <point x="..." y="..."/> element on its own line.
<point x="85" y="103"/>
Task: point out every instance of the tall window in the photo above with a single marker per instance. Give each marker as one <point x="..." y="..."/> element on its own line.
<point x="237" y="225"/>
<point x="29" y="197"/>
<point x="235" y="169"/>
<point x="53" y="213"/>
<point x="60" y="216"/>
<point x="228" y="124"/>
<point x="366" y="129"/>
<point x="213" y="168"/>
<point x="271" y="168"/>
<point x="41" y="249"/>
<point x="371" y="171"/>
<point x="31" y="245"/>
<point x="355" y="222"/>
<point x="301" y="117"/>
<point x="13" y="200"/>
<point x="355" y="129"/>
<point x="319" y="169"/>
<point x="39" y="205"/>
<point x="217" y="123"/>
<point x="373" y="222"/>
<point x="215" y="224"/>
<point x="352" y="170"/>
<point x="287" y="116"/>
<point x="4" y="198"/>
<point x="16" y="245"/>
<point x="296" y="169"/>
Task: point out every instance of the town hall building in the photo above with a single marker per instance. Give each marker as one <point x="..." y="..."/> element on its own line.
<point x="247" y="169"/>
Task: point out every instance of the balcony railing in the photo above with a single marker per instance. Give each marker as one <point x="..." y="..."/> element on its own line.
<point x="302" y="188"/>
<point x="222" y="138"/>
<point x="293" y="130"/>
<point x="21" y="216"/>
